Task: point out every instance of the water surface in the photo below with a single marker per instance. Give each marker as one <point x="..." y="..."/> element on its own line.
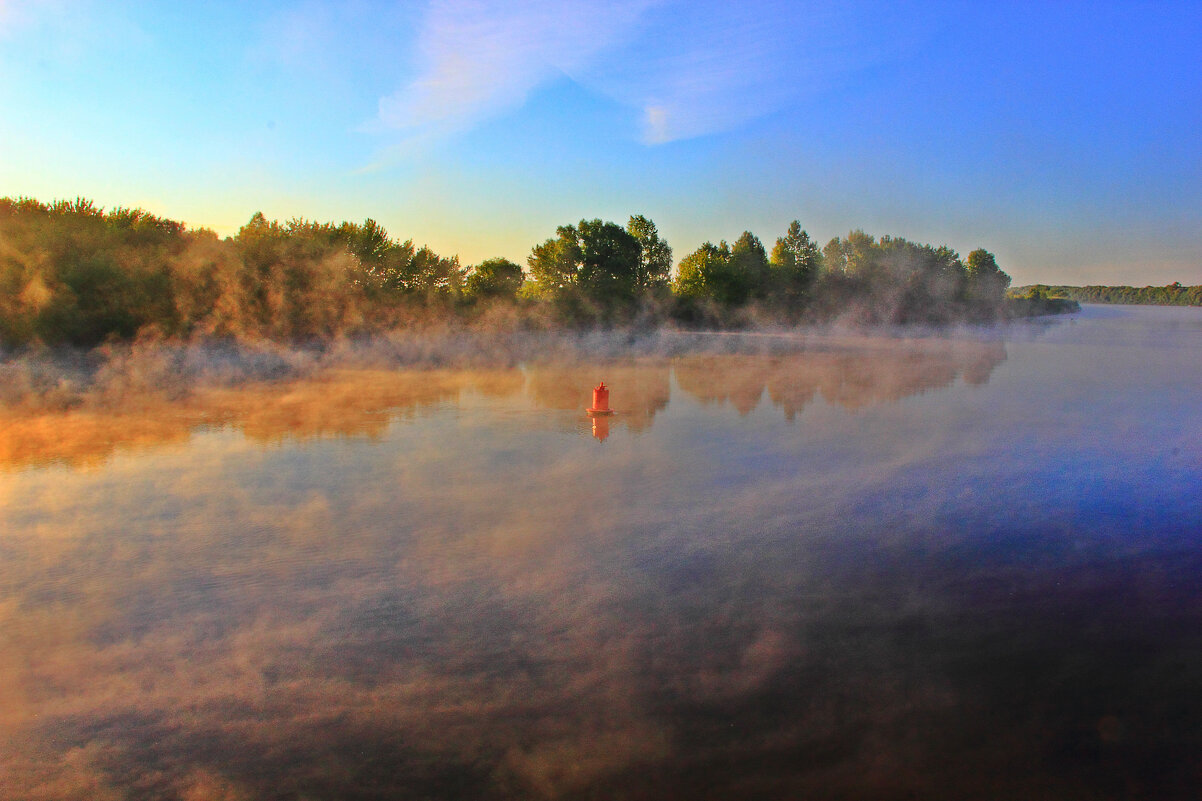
<point x="960" y="565"/>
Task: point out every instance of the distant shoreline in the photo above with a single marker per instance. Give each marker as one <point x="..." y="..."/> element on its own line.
<point x="1174" y="294"/>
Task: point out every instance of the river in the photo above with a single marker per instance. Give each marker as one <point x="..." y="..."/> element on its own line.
<point x="916" y="565"/>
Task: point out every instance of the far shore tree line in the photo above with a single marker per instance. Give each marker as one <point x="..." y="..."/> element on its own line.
<point x="1174" y="294"/>
<point x="73" y="273"/>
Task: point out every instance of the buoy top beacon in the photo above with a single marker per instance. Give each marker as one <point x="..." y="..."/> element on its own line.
<point x="600" y="401"/>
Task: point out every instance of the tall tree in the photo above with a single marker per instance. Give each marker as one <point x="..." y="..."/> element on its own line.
<point x="655" y="257"/>
<point x="369" y="242"/>
<point x="796" y="261"/>
<point x="749" y="271"/>
<point x="702" y="273"/>
<point x="609" y="261"/>
<point x="986" y="283"/>
<point x="494" y="278"/>
<point x="862" y="254"/>
<point x="436" y="277"/>
<point x="834" y="256"/>
<point x="555" y="264"/>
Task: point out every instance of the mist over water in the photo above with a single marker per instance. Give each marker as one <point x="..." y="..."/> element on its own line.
<point x="938" y="566"/>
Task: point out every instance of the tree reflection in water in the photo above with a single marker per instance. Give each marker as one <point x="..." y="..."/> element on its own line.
<point x="349" y="403"/>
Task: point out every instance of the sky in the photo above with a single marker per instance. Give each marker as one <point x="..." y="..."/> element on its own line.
<point x="1064" y="137"/>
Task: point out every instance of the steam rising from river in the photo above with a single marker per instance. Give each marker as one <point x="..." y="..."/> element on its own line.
<point x="150" y="393"/>
<point x="840" y="569"/>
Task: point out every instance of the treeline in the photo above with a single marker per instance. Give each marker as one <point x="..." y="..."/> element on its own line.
<point x="1170" y="295"/>
<point x="73" y="273"/>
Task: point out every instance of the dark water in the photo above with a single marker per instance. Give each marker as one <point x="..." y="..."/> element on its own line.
<point x="959" y="567"/>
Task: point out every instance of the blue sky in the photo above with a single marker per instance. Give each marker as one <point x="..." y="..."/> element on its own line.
<point x="1064" y="137"/>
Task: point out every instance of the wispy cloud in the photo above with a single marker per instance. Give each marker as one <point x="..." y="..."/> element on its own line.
<point x="705" y="69"/>
<point x="688" y="69"/>
<point x="482" y="57"/>
<point x="703" y="73"/>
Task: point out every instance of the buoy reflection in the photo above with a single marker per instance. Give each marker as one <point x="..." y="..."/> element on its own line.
<point x="601" y="428"/>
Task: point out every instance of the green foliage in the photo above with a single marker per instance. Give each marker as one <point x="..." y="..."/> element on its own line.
<point x="1035" y="300"/>
<point x="795" y="263"/>
<point x="725" y="275"/>
<point x="1174" y="294"/>
<point x="370" y="244"/>
<point x="928" y="283"/>
<point x="297" y="281"/>
<point x="435" y="279"/>
<point x="894" y="280"/>
<point x="655" y="257"/>
<point x="862" y="252"/>
<point x="890" y="280"/>
<point x="593" y="269"/>
<point x="554" y="264"/>
<point x="610" y="260"/>
<point x="834" y="256"/>
<point x="703" y="273"/>
<point x="494" y="278"/>
<point x="747" y="275"/>
<point x="986" y="284"/>
<point x="72" y="273"/>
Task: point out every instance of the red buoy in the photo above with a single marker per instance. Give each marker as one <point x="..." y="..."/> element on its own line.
<point x="600" y="401"/>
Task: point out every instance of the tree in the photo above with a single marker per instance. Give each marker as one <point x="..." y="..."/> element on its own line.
<point x="494" y="278"/>
<point x="701" y="273"/>
<point x="601" y="259"/>
<point x="861" y="250"/>
<point x="795" y="261"/>
<point x="394" y="271"/>
<point x="368" y="242"/>
<point x="610" y="260"/>
<point x="834" y="256"/>
<point x="436" y="277"/>
<point x="555" y="264"/>
<point x="655" y="257"/>
<point x="986" y="283"/>
<point x="298" y="280"/>
<point x="748" y="274"/>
